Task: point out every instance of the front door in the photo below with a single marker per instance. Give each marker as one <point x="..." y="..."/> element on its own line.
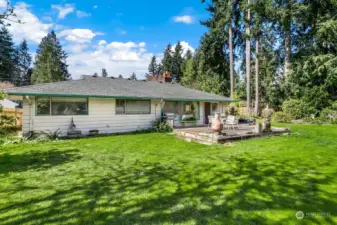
<point x="207" y="111"/>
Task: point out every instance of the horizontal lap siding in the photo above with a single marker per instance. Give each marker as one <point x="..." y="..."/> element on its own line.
<point x="101" y="116"/>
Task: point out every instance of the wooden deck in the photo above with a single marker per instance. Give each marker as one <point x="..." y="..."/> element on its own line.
<point x="205" y="135"/>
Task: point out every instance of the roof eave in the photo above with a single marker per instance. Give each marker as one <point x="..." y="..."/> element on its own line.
<point x="123" y="97"/>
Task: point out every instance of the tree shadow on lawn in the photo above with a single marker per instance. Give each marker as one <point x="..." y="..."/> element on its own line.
<point x="36" y="160"/>
<point x="243" y="190"/>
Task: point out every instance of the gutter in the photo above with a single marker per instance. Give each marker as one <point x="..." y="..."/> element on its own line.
<point x="124" y="97"/>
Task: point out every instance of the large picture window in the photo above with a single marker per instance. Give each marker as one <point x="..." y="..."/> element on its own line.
<point x="133" y="106"/>
<point x="61" y="106"/>
<point x="182" y="110"/>
<point x="190" y="110"/>
<point x="43" y="105"/>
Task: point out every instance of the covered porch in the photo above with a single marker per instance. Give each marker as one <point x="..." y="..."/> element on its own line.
<point x="184" y="113"/>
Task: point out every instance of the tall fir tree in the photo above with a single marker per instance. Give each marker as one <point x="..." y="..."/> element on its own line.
<point x="167" y="59"/>
<point x="7" y="55"/>
<point x="133" y="76"/>
<point x="104" y="72"/>
<point x="177" y="60"/>
<point x="188" y="55"/>
<point x="50" y="61"/>
<point x="23" y="62"/>
<point x="153" y="67"/>
<point x="160" y="69"/>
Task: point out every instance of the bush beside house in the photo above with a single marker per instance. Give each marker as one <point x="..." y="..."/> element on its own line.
<point x="295" y="110"/>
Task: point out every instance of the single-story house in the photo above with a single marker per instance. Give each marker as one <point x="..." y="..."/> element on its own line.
<point x="111" y="105"/>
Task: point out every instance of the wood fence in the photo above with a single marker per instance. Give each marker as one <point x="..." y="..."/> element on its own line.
<point x="14" y="112"/>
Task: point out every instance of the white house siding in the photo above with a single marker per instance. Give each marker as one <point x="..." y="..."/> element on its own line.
<point x="101" y="116"/>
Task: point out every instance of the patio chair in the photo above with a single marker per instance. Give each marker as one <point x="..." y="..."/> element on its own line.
<point x="231" y="122"/>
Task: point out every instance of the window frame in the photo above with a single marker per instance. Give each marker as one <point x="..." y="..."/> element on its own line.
<point x="50" y="106"/>
<point x="181" y="110"/>
<point x="125" y="105"/>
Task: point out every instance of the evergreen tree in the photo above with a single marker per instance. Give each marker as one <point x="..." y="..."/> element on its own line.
<point x="177" y="60"/>
<point x="50" y="61"/>
<point x="153" y="67"/>
<point x="23" y="61"/>
<point x="133" y="76"/>
<point x="120" y="76"/>
<point x="95" y="74"/>
<point x="104" y="72"/>
<point x="167" y="59"/>
<point x="7" y="55"/>
<point x="189" y="73"/>
<point x="188" y="55"/>
<point x="160" y="69"/>
<point x="26" y="80"/>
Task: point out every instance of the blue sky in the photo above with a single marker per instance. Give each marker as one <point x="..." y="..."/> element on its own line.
<point x="118" y="35"/>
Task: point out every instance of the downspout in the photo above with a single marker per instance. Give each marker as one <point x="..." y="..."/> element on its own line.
<point x="30" y="112"/>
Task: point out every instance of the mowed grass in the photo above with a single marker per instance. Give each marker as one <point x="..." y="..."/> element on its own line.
<point x="159" y="179"/>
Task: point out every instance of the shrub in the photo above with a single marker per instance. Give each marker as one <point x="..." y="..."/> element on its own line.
<point x="190" y="119"/>
<point x="281" y="117"/>
<point x="52" y="135"/>
<point x="267" y="113"/>
<point x="297" y="109"/>
<point x="161" y="126"/>
<point x="329" y="115"/>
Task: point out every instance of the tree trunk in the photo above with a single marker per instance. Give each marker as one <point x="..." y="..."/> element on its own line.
<point x="257" y="78"/>
<point x="248" y="59"/>
<point x="287" y="42"/>
<point x="231" y="61"/>
<point x="287" y="60"/>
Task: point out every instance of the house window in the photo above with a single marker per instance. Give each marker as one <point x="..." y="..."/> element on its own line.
<point x="182" y="110"/>
<point x="190" y="110"/>
<point x="69" y="106"/>
<point x="62" y="106"/>
<point x="172" y="107"/>
<point x="43" y="105"/>
<point x="133" y="106"/>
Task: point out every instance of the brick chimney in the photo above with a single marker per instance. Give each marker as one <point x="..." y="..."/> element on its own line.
<point x="167" y="77"/>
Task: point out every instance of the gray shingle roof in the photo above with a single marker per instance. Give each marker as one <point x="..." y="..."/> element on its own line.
<point x="102" y="87"/>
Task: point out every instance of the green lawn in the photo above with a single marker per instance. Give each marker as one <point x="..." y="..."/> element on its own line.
<point x="159" y="179"/>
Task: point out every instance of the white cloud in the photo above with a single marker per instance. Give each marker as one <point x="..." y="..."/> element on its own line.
<point x="183" y="19"/>
<point x="117" y="57"/>
<point x="185" y="47"/>
<point x="102" y="42"/>
<point x="95" y="6"/>
<point x="3" y="4"/>
<point x="81" y="14"/>
<point x="64" y="10"/>
<point x="77" y="48"/>
<point x="59" y="27"/>
<point x="123" y="45"/>
<point x="31" y="29"/>
<point x="78" y="35"/>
